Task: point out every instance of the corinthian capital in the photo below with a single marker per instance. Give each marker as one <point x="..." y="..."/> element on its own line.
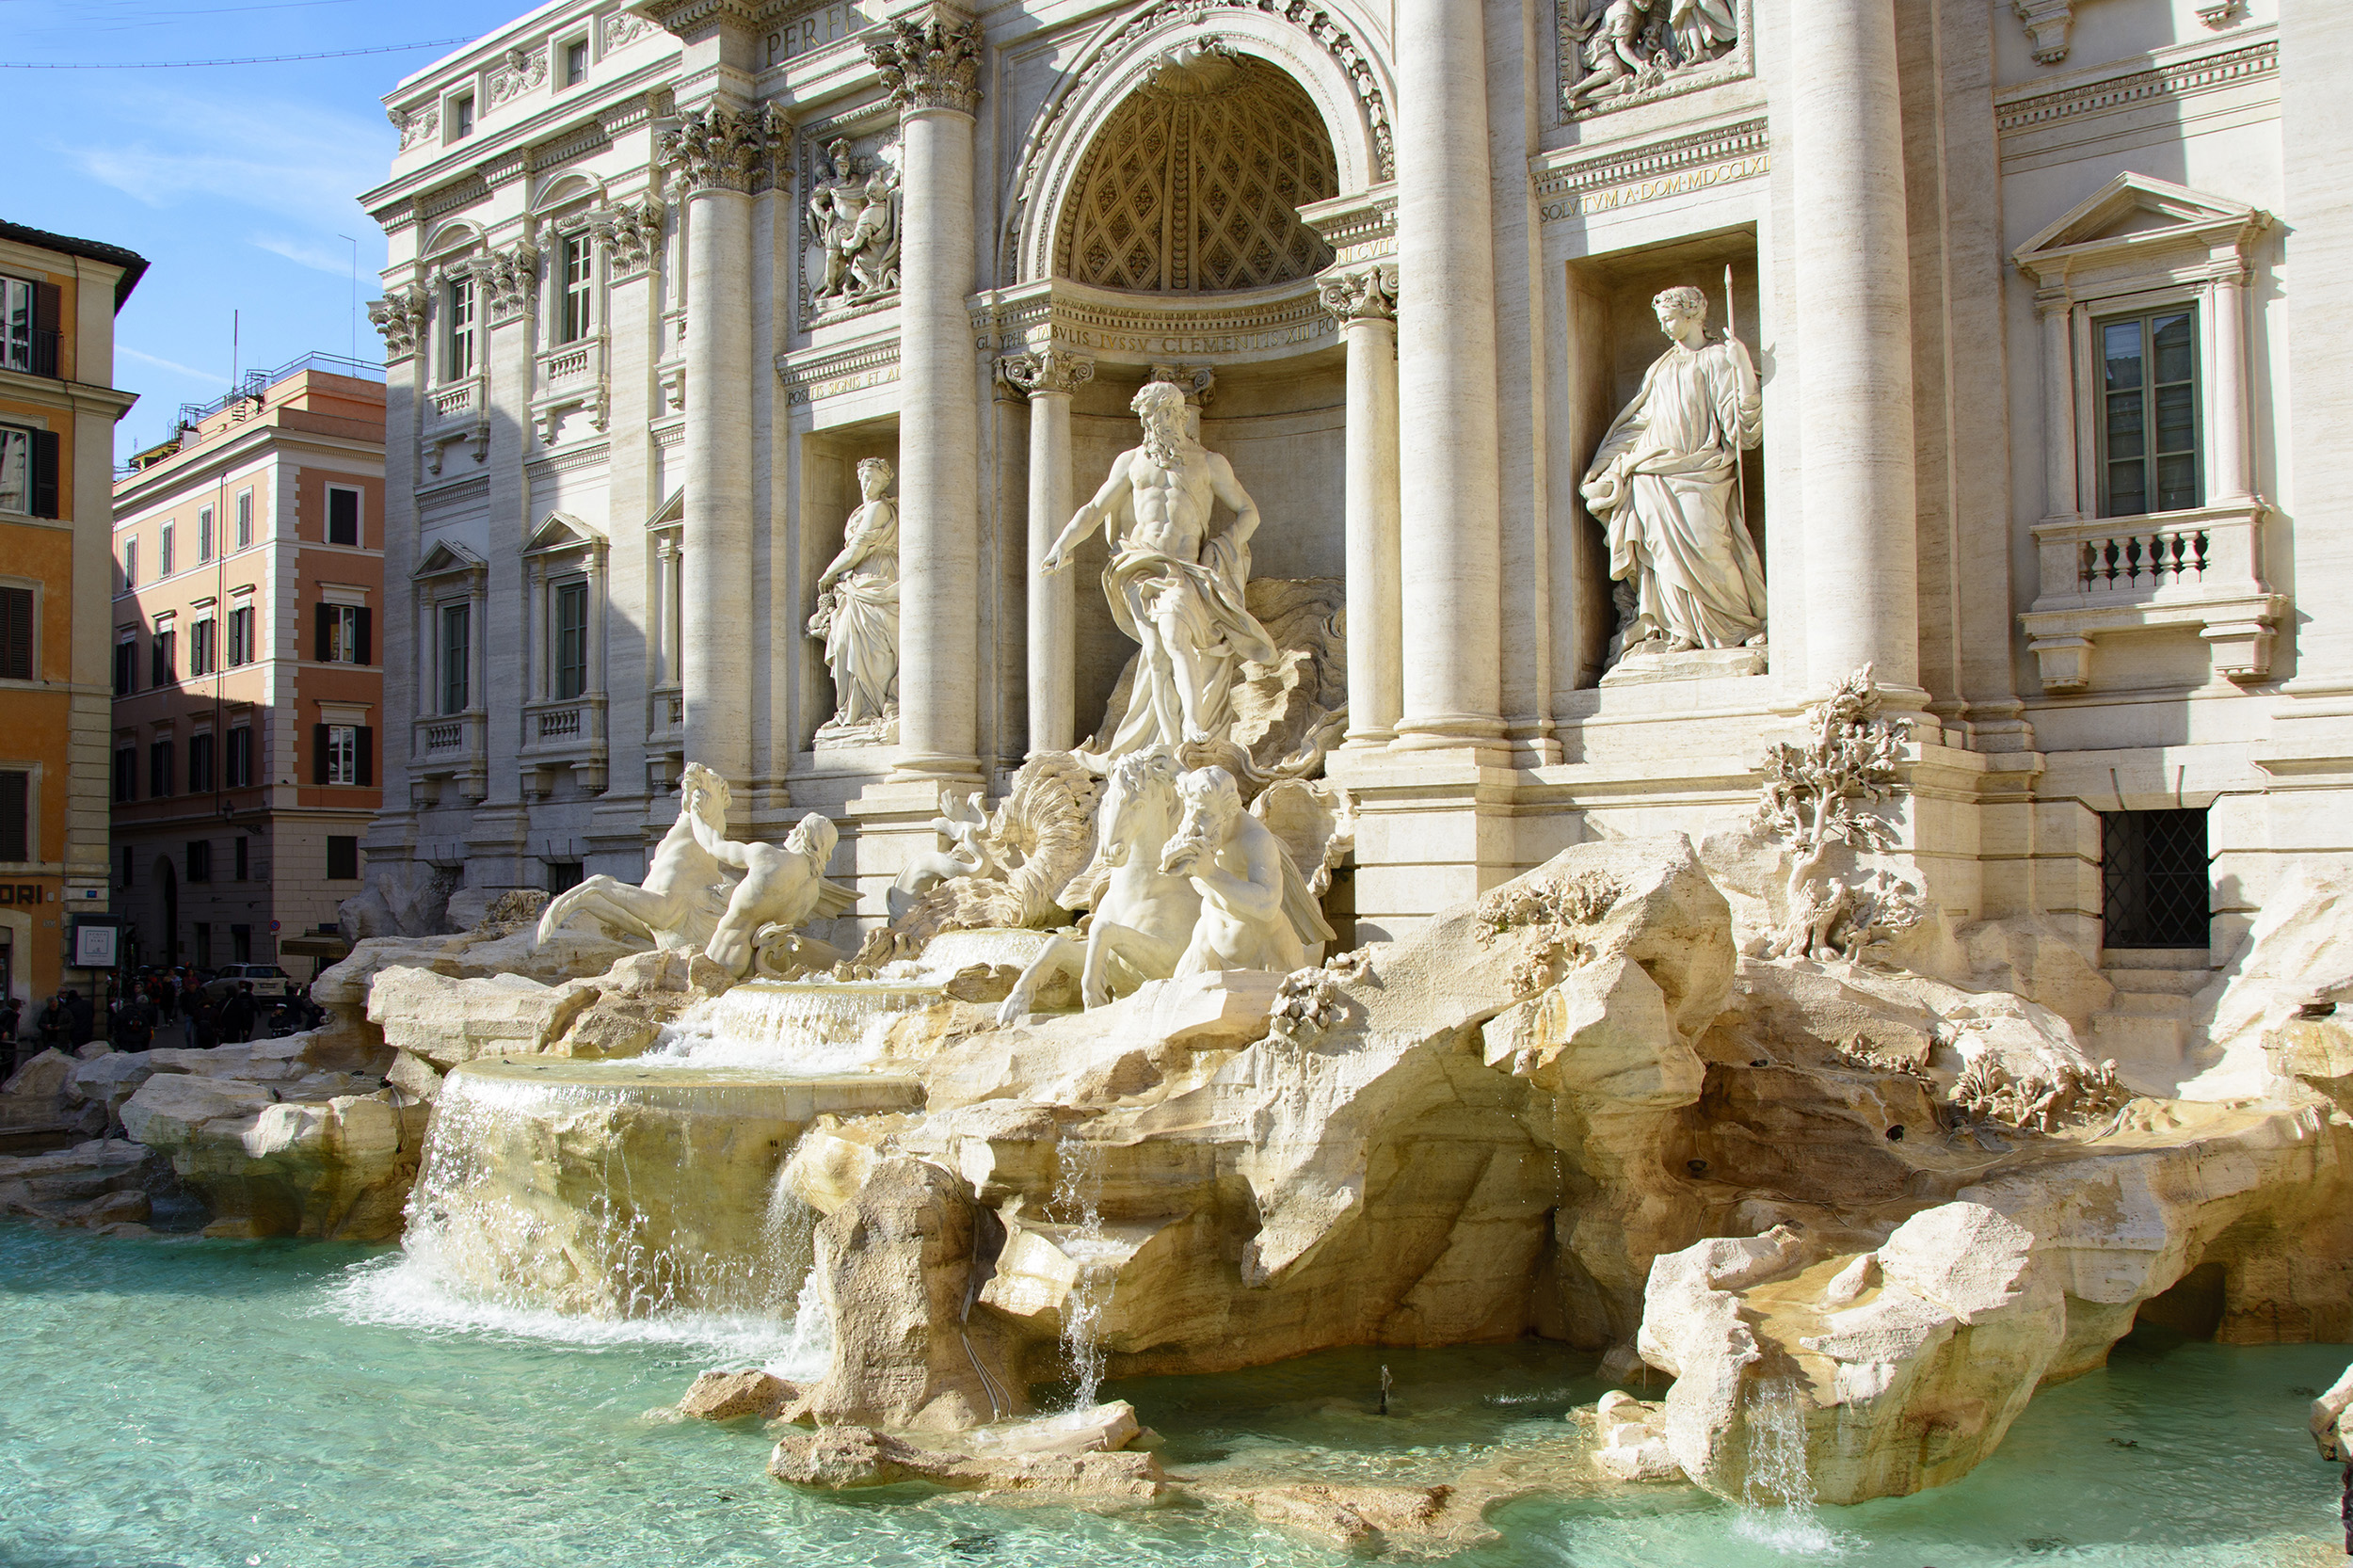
<point x="1045" y="370"/>
<point x="400" y="316"/>
<point x="1368" y="294"/>
<point x="719" y="148"/>
<point x="931" y="61"/>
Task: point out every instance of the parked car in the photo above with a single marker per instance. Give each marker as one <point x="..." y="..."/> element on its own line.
<point x="268" y="981"/>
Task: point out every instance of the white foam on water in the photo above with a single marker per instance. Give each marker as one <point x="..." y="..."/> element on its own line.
<point x="1079" y="1179"/>
<point x="1777" y="1502"/>
<point x="803" y="1029"/>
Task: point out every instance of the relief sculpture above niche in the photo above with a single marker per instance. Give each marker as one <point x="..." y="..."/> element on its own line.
<point x="1615" y="54"/>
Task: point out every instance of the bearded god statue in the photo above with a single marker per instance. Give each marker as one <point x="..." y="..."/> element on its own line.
<point x="853" y="219"/>
<point x="1666" y="488"/>
<point x="1177" y="591"/>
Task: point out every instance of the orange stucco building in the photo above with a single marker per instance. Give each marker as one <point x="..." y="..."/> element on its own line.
<point x="248" y="690"/>
<point x="58" y="406"/>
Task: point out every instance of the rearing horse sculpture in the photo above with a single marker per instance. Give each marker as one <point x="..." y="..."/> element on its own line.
<point x="685" y="890"/>
<point x="1145" y="915"/>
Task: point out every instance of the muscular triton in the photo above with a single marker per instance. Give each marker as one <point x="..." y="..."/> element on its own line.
<point x="1177" y="591"/>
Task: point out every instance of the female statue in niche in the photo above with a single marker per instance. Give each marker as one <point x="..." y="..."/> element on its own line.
<point x="1666" y="488"/>
<point x="857" y="609"/>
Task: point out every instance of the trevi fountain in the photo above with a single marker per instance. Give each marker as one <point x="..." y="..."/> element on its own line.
<point x="1599" y="990"/>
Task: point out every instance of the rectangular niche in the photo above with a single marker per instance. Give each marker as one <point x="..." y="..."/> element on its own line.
<point x="828" y="494"/>
<point x="1613" y="338"/>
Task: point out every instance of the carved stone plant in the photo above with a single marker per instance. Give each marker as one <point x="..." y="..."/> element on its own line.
<point x="1821" y="792"/>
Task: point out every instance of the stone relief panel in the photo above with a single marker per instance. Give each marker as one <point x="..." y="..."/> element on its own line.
<point x="519" y="72"/>
<point x="851" y="234"/>
<point x="1615" y="54"/>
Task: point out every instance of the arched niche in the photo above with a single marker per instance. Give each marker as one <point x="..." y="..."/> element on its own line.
<point x="1327" y="59"/>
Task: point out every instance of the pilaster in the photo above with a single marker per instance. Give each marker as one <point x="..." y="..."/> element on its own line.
<point x="1049" y="377"/>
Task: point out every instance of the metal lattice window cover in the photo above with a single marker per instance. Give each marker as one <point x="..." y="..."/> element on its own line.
<point x="2154" y="879"/>
<point x="1194" y="188"/>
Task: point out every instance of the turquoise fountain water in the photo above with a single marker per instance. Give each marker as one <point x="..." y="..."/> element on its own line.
<point x="217" y="1404"/>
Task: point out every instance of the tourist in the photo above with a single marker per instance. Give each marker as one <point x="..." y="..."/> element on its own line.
<point x="237" y="1015"/>
<point x="134" y="1024"/>
<point x="164" y="995"/>
<point x="203" y="1025"/>
<point x="81" y="1018"/>
<point x="51" y="1023"/>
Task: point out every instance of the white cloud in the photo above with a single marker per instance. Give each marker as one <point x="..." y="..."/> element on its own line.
<point x="210" y="378"/>
<point x="333" y="259"/>
<point x="286" y="157"/>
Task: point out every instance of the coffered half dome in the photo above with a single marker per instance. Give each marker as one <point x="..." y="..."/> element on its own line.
<point x="1194" y="184"/>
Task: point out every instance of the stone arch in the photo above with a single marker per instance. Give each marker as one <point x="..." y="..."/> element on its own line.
<point x="1329" y="62"/>
<point x="562" y="190"/>
<point x="454" y="238"/>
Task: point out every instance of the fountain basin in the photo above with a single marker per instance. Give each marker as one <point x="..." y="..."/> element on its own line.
<point x="621" y="1189"/>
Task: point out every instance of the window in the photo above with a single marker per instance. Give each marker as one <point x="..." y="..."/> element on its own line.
<point x="200" y="763"/>
<point x="126" y="783"/>
<point x="244" y="860"/>
<point x="2149" y="417"/>
<point x="131" y="562"/>
<point x="343" y="754"/>
<point x="199" y="859"/>
<point x="241" y="937"/>
<point x="457" y="655"/>
<point x="159" y="770"/>
<point x="163" y="551"/>
<point x="203" y="647"/>
<point x="578" y="269"/>
<point x="343" y="634"/>
<point x="245" y="518"/>
<point x="203" y="943"/>
<point x="161" y="670"/>
<point x="458" y="350"/>
<point x="462" y="115"/>
<point x="342" y="859"/>
<point x="203" y="534"/>
<point x="239" y="772"/>
<point x="571" y="640"/>
<point x="564" y="875"/>
<point x="130" y="858"/>
<point x="16" y="815"/>
<point x="28" y="326"/>
<point x="241" y="649"/>
<point x="126" y="653"/>
<point x="29" y="471"/>
<point x="343" y="515"/>
<point x="575" y="62"/>
<point x="2153" y="876"/>
<point x="16" y="634"/>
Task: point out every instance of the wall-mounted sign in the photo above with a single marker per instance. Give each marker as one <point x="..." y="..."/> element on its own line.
<point x="95" y="945"/>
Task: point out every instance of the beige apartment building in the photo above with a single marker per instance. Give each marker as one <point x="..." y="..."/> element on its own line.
<point x="247" y="692"/>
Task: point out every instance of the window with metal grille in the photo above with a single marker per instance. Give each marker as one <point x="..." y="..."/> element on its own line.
<point x="564" y="875"/>
<point x="342" y="859"/>
<point x="343" y="515"/>
<point x="2149" y="413"/>
<point x="571" y="640"/>
<point x="16" y="815"/>
<point x="457" y="346"/>
<point x="457" y="655"/>
<point x="578" y="269"/>
<point x="16" y="634"/>
<point x="2153" y="874"/>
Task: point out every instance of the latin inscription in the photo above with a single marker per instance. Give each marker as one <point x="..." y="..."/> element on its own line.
<point x="1610" y="198"/>
<point x="823" y="25"/>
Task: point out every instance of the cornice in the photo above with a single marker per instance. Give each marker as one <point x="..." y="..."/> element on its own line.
<point x="1566" y="184"/>
<point x="2206" y="69"/>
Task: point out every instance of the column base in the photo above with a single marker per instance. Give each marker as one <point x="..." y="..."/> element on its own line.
<point x="1480" y="732"/>
<point x="946" y="769"/>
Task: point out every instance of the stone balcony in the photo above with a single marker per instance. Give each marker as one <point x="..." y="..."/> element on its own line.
<point x="2200" y="568"/>
<point x="568" y="733"/>
<point x="568" y="377"/>
<point x="449" y="746"/>
<point x="455" y="411"/>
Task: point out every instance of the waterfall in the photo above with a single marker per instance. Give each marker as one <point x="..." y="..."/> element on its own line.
<point x="808" y="1029"/>
<point x="1777" y="1496"/>
<point x="1079" y="1182"/>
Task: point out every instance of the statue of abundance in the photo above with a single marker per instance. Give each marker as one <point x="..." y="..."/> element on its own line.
<point x="1665" y="487"/>
<point x="1177" y="591"/>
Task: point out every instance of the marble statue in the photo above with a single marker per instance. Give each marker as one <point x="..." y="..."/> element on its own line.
<point x="857" y="609"/>
<point x="853" y="219"/>
<point x="965" y="825"/>
<point x="782" y="886"/>
<point x="1146" y="912"/>
<point x="1174" y="590"/>
<point x="1257" y="912"/>
<point x="1666" y="488"/>
<point x="684" y="893"/>
<point x="1632" y="46"/>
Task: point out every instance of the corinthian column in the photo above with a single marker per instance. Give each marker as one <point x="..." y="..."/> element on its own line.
<point x="930" y="62"/>
<point x="1854" y="347"/>
<point x="1049" y="377"/>
<point x="714" y="155"/>
<point x="1450" y="530"/>
<point x="1366" y="303"/>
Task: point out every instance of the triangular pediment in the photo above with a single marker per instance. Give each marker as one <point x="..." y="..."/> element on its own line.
<point x="561" y="531"/>
<point x="447" y="557"/>
<point x="672" y="513"/>
<point x="2136" y="212"/>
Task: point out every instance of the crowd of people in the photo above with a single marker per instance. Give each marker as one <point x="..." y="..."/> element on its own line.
<point x="168" y="1007"/>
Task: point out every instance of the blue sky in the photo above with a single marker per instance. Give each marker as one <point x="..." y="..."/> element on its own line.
<point x="236" y="182"/>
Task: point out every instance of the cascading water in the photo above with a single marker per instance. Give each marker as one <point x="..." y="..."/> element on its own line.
<point x="1078" y="1184"/>
<point x="1777" y="1496"/>
<point x="803" y="1028"/>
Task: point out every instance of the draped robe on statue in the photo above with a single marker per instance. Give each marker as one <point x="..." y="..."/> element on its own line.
<point x="859" y="620"/>
<point x="1665" y="487"/>
<point x="1203" y="605"/>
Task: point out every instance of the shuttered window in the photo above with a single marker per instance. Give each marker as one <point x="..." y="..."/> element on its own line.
<point x="16" y="634"/>
<point x="16" y="819"/>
